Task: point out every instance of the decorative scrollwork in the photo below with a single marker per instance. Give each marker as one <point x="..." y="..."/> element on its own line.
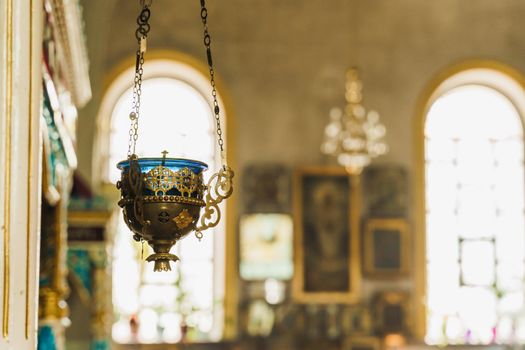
<point x="160" y="180"/>
<point x="219" y="188"/>
<point x="138" y="209"/>
<point x="186" y="182"/>
<point x="135" y="176"/>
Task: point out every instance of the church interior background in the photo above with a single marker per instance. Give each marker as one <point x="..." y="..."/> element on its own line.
<point x="378" y="151"/>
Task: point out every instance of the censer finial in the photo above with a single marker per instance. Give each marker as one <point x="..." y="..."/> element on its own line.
<point x="162" y="198"/>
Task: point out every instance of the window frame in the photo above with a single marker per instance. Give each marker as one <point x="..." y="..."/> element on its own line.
<point x="492" y="74"/>
<point x="180" y="66"/>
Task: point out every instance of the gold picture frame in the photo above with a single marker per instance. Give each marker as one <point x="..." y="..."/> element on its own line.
<point x="327" y="261"/>
<point x="386" y="246"/>
<point x="361" y="343"/>
<point x="87" y="227"/>
<point x="392" y="312"/>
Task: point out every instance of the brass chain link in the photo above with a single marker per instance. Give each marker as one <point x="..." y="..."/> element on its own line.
<point x="216" y="108"/>
<point x="141" y="35"/>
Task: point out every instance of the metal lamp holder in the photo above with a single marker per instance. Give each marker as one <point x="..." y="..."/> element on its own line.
<point x="162" y="198"/>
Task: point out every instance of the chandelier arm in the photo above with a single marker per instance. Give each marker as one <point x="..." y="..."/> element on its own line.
<point x="216" y="108"/>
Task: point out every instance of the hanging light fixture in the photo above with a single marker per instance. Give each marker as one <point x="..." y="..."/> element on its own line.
<point x="162" y="197"/>
<point x="353" y="135"/>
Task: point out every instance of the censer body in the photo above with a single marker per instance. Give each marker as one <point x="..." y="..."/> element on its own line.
<point x="161" y="202"/>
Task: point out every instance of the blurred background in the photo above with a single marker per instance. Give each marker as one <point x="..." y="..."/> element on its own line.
<point x="379" y="174"/>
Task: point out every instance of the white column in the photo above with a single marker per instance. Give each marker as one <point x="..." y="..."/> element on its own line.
<point x="20" y="170"/>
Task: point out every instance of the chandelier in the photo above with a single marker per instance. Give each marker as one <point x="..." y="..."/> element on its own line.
<point x="354" y="136"/>
<point x="162" y="198"/>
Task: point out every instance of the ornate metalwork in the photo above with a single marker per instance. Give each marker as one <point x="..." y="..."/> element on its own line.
<point x="183" y="219"/>
<point x="163" y="205"/>
<point x="160" y="180"/>
<point x="220" y="187"/>
<point x="169" y="215"/>
<point x="135" y="176"/>
<point x="174" y="199"/>
<point x="187" y="182"/>
<point x="162" y="261"/>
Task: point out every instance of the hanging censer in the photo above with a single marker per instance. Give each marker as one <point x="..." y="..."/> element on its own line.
<point x="161" y="198"/>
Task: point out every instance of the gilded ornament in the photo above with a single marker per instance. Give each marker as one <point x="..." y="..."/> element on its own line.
<point x="183" y="219"/>
<point x="220" y="187"/>
<point x="186" y="182"/>
<point x="160" y="180"/>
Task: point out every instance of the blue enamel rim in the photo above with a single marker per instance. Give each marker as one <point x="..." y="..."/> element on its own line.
<point x="147" y="164"/>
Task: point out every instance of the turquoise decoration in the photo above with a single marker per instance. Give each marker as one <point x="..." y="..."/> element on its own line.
<point x="79" y="264"/>
<point x="96" y="203"/>
<point x="46" y="339"/>
<point x="100" y="345"/>
<point x="57" y="153"/>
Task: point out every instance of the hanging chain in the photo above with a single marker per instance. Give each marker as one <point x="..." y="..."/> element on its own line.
<point x="216" y="108"/>
<point x="141" y="35"/>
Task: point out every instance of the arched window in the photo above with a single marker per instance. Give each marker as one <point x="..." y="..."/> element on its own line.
<point x="176" y="115"/>
<point x="474" y="200"/>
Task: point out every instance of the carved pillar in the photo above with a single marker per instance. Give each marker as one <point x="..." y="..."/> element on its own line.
<point x="53" y="311"/>
<point x="66" y="87"/>
<point x="20" y="87"/>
